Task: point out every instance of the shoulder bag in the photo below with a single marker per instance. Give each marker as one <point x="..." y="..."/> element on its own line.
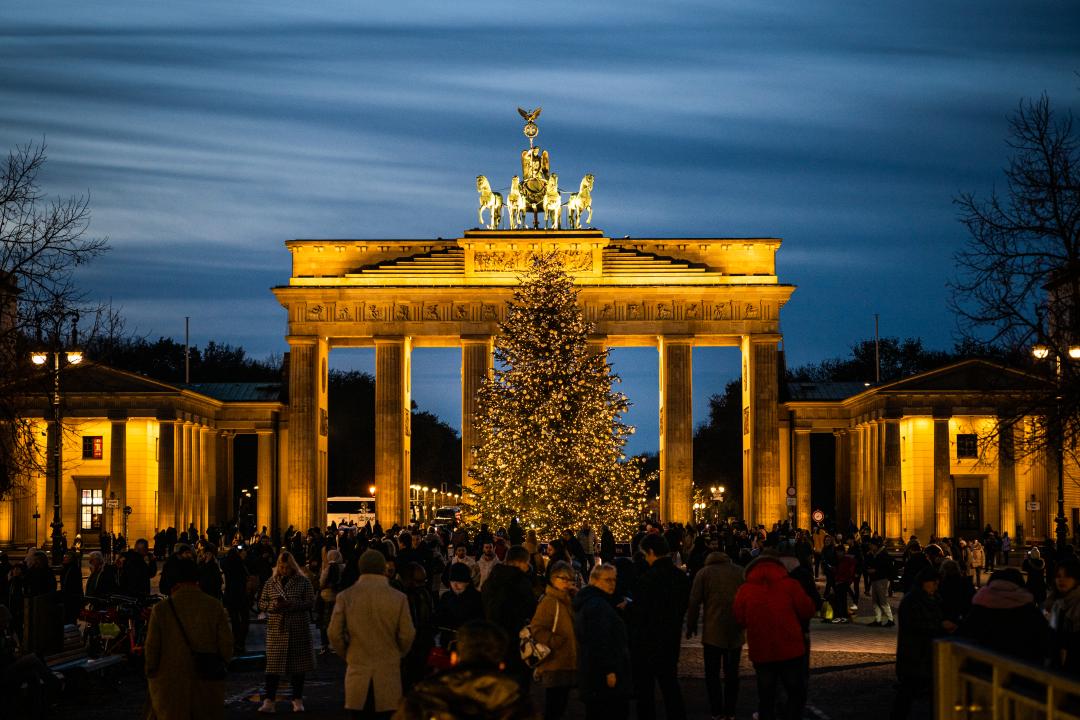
<point x="532" y="652"/>
<point x="208" y="665"/>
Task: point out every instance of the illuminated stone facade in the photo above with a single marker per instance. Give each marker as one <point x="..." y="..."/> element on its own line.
<point x="928" y="454"/>
<point x="164" y="451"/>
<point x="395" y="295"/>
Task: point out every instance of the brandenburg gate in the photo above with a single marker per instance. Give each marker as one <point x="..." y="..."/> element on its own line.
<point x="395" y="295"/>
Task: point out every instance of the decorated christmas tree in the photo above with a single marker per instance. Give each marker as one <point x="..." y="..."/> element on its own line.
<point x="551" y="442"/>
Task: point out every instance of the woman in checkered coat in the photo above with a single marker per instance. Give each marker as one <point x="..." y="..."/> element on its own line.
<point x="287" y="598"/>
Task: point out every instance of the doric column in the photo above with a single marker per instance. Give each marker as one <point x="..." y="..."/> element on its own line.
<point x="228" y="476"/>
<point x="118" y="460"/>
<point x="761" y="437"/>
<point x="197" y="491"/>
<point x="309" y="426"/>
<point x="858" y="475"/>
<point x="166" y="514"/>
<point x="1007" y="475"/>
<point x="264" y="475"/>
<point x="393" y="420"/>
<point x="943" y="482"/>
<point x="186" y="516"/>
<point x="477" y="361"/>
<point x="676" y="429"/>
<point x="207" y="468"/>
<point x="802" y="477"/>
<point x="891" y="488"/>
<point x="1043" y="467"/>
<point x="875" y="500"/>
<point x="842" y="447"/>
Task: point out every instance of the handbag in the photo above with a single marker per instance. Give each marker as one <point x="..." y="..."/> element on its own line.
<point x="532" y="652"/>
<point x="208" y="665"/>
<point x="827" y="611"/>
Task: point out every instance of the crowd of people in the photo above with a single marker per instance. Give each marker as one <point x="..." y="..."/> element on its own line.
<point x="438" y="622"/>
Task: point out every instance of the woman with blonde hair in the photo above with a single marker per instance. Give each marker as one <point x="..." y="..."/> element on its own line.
<point x="287" y="598"/>
<point x="553" y="625"/>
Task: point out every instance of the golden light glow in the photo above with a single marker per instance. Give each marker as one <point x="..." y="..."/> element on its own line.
<point x="1074" y="352"/>
<point x="371" y="489"/>
<point x="39" y="358"/>
<point x="74" y="357"/>
<point x="1040" y="351"/>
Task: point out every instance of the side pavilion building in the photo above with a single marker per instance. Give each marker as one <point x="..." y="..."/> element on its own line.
<point x="940" y="453"/>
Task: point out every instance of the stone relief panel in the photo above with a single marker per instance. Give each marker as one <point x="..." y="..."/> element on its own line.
<point x="520" y="260"/>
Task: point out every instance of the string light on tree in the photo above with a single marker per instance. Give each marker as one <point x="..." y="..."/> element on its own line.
<point x="551" y="440"/>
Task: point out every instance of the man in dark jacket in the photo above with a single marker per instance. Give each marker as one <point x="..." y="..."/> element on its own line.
<point x="921" y="620"/>
<point x="137" y="570"/>
<point x="715" y="586"/>
<point x="209" y="572"/>
<point x="1005" y="618"/>
<point x="603" y="675"/>
<point x="509" y="603"/>
<point x="663" y="593"/>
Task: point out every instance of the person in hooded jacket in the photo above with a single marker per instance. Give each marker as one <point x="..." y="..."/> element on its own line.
<point x="722" y="638"/>
<point x="1004" y="618"/>
<point x="474" y="686"/>
<point x="1035" y="567"/>
<point x="773" y="608"/>
<point x="956" y="591"/>
<point x="460" y="605"/>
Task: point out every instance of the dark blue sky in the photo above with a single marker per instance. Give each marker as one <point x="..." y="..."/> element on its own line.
<point x="208" y="133"/>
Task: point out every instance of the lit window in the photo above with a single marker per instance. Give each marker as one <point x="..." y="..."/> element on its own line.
<point x="967" y="446"/>
<point x="90" y="509"/>
<point x="93" y="447"/>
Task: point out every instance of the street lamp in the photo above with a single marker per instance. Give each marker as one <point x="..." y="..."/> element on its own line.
<point x="60" y="357"/>
<point x="1041" y="352"/>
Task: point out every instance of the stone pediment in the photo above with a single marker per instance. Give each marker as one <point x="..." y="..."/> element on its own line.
<point x="967" y="376"/>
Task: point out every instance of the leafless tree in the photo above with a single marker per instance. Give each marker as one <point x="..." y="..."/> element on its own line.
<point x="42" y="242"/>
<point x="1018" y="280"/>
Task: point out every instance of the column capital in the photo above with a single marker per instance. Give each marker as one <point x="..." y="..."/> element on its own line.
<point x="391" y="340"/>
<point x="941" y="413"/>
<point x="475" y="339"/>
<point x="117" y="415"/>
<point x="302" y="339"/>
<point x="803" y="430"/>
<point x="674" y="339"/>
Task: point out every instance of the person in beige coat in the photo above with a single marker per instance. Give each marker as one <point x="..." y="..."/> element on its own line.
<point x="372" y="629"/>
<point x="176" y="690"/>
<point x="553" y="625"/>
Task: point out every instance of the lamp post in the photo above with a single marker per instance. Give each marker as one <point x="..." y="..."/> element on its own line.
<point x="59" y="357"/>
<point x="1057" y="438"/>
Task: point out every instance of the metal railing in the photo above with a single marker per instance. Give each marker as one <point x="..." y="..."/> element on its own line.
<point x="972" y="683"/>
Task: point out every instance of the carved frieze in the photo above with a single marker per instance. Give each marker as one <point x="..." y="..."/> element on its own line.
<point x="521" y="260"/>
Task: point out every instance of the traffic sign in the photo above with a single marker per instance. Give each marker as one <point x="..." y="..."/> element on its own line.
<point x="112" y="503"/>
<point x="791" y="492"/>
<point x="791" y="501"/>
<point x="818" y="516"/>
<point x="1033" y="505"/>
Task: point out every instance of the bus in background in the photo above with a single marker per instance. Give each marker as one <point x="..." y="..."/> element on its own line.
<point x="349" y="510"/>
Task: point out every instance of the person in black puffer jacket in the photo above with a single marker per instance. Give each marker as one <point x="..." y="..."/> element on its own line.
<point x="1005" y="619"/>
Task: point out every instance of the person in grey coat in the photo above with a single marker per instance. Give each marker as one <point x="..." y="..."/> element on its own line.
<point x="372" y="628"/>
<point x="715" y="587"/>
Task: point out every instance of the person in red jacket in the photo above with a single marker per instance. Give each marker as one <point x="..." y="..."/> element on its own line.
<point x="772" y="606"/>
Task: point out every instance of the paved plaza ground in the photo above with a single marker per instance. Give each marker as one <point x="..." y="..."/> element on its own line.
<point x="851" y="676"/>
